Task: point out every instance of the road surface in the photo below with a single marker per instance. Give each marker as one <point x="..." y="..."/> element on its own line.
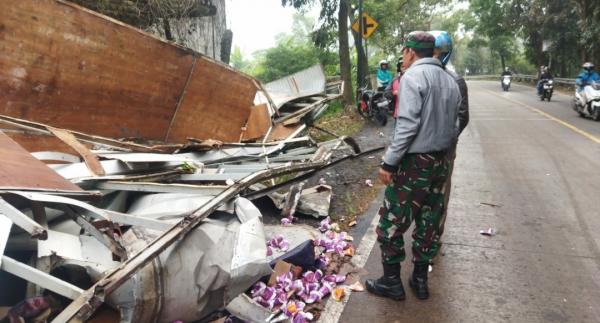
<point x="531" y="171"/>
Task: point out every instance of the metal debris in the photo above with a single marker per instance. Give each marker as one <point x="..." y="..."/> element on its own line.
<point x="151" y="209"/>
<point x="489" y="232"/>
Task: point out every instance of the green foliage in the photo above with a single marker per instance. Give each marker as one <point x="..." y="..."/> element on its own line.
<point x="292" y="53"/>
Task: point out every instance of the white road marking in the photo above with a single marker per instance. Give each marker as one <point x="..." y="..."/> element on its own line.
<point x="333" y="310"/>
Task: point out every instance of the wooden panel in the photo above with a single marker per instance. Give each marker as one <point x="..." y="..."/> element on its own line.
<point x="68" y="67"/>
<point x="281" y="132"/>
<point x="258" y="122"/>
<point x="19" y="169"/>
<point x="40" y="142"/>
<point x="216" y="104"/>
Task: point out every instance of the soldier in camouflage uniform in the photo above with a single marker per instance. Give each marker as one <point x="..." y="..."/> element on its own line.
<point x="415" y="167"/>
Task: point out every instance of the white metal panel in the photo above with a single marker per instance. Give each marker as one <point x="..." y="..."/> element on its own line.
<point x="5" y="225"/>
<point x="307" y="82"/>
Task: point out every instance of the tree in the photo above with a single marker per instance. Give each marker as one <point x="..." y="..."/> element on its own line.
<point x="330" y="21"/>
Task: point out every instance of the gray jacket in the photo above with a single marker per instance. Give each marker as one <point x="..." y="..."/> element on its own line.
<point x="427" y="120"/>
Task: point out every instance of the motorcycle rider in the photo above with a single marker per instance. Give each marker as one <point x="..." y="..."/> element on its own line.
<point x="585" y="77"/>
<point x="544" y="76"/>
<point x="506" y="72"/>
<point x="384" y="76"/>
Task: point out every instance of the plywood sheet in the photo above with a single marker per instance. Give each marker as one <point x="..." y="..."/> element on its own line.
<point x="40" y="142"/>
<point x="19" y="169"/>
<point x="281" y="132"/>
<point x="216" y="104"/>
<point x="258" y="123"/>
<point x="70" y="68"/>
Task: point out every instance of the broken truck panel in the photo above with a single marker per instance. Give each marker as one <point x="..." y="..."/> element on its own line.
<point x="308" y="82"/>
<point x="121" y="81"/>
<point x="209" y="267"/>
<point x="20" y="170"/>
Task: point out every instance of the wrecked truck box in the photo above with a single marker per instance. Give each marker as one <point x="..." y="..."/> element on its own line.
<point x="208" y="268"/>
<point x="76" y="69"/>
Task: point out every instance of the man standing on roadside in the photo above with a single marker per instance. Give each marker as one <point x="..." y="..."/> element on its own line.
<point x="415" y="167"/>
<point x="443" y="52"/>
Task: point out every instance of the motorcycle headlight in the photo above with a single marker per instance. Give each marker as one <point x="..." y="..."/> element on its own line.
<point x="550" y="82"/>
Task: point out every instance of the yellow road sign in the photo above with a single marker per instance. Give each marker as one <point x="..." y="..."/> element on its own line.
<point x="369" y="25"/>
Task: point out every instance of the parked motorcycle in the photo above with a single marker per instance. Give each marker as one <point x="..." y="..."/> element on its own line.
<point x="587" y="102"/>
<point x="547" y="89"/>
<point x="374" y="105"/>
<point x="506" y="79"/>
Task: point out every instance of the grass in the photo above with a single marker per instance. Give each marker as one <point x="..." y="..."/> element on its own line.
<point x="343" y="122"/>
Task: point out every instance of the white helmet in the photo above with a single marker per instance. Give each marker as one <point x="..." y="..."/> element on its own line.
<point x="383" y="61"/>
<point x="588" y="66"/>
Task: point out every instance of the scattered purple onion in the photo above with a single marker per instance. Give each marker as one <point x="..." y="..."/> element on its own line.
<point x="277" y="242"/>
<point x="325" y="225"/>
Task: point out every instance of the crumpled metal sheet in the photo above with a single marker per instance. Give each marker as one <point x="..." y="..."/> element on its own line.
<point x="213" y="264"/>
<point x="307" y="82"/>
<point x="171" y="206"/>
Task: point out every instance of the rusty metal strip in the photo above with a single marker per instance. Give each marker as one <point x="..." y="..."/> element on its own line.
<point x="181" y="97"/>
<point x="85" y="305"/>
<point x="106" y="239"/>
<point x="91" y="161"/>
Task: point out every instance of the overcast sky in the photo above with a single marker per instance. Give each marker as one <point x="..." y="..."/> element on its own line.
<point x="256" y="22"/>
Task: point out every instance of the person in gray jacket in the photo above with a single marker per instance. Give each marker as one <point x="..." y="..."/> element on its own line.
<point x="415" y="167"/>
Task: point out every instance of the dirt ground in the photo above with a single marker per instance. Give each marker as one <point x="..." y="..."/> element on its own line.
<point x="351" y="193"/>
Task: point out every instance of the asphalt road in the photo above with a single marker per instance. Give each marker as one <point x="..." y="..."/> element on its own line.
<point x="531" y="171"/>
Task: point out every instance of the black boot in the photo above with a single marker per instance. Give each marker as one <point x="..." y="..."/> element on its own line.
<point x="389" y="285"/>
<point x="418" y="281"/>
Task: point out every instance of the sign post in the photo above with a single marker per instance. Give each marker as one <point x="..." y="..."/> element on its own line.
<point x="364" y="26"/>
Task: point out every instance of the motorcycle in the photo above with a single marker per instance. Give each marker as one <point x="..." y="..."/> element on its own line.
<point x="506" y="79"/>
<point x="547" y="89"/>
<point x="374" y="105"/>
<point x="588" y="104"/>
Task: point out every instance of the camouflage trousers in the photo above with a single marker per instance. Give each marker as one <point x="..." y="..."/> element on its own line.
<point x="450" y="157"/>
<point x="416" y="194"/>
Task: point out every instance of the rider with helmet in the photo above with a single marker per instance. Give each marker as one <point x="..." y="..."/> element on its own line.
<point x="506" y="72"/>
<point x="443" y="51"/>
<point x="544" y="76"/>
<point x="586" y="76"/>
<point x="384" y="76"/>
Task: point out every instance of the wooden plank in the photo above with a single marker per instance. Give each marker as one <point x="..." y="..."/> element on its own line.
<point x="91" y="161"/>
<point x="216" y="104"/>
<point x="71" y="68"/>
<point x="21" y="170"/>
<point x="281" y="132"/>
<point x="258" y="123"/>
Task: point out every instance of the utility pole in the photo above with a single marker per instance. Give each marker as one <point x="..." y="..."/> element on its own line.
<point x="360" y="74"/>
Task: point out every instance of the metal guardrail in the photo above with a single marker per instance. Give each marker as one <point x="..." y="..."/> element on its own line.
<point x="522" y="77"/>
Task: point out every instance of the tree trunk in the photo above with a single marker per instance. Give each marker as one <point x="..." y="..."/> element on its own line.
<point x="344" y="52"/>
<point x="362" y="67"/>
